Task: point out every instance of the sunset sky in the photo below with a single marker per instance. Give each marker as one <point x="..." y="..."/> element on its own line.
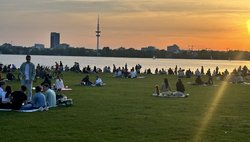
<point x="197" y="24"/>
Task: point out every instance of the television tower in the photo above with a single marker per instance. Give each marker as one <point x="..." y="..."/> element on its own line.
<point x="98" y="32"/>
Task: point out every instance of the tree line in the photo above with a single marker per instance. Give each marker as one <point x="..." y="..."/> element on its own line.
<point x="130" y="52"/>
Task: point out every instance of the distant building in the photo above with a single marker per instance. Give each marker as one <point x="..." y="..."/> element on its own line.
<point x="38" y="46"/>
<point x="64" y="45"/>
<point x="148" y="49"/>
<point x="7" y="45"/>
<point x="54" y="40"/>
<point x="174" y="49"/>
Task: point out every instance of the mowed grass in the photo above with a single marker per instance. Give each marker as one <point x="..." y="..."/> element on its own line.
<point x="124" y="110"/>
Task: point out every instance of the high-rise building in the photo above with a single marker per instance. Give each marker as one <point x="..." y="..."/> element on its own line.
<point x="54" y="40"/>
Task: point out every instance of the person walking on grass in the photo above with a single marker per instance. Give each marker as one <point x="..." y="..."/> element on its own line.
<point x="28" y="73"/>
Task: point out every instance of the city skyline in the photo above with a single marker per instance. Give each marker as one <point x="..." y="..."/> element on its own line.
<point x="214" y="25"/>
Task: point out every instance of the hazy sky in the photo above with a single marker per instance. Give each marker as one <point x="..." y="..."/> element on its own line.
<point x="200" y="24"/>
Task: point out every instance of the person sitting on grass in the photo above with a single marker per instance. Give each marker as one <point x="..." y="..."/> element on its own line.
<point x="210" y="80"/>
<point x="240" y="78"/>
<point x="198" y="81"/>
<point x="1" y="88"/>
<point x="10" y="76"/>
<point x="179" y="86"/>
<point x="98" y="81"/>
<point x="59" y="83"/>
<point x="18" y="98"/>
<point x="180" y="89"/>
<point x="157" y="91"/>
<point x="85" y="81"/>
<point x="47" y="80"/>
<point x="6" y="98"/>
<point x="133" y="74"/>
<point x="38" y="100"/>
<point x="165" y="88"/>
<point x="50" y="96"/>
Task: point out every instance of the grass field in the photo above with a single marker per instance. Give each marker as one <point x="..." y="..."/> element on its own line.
<point x="125" y="111"/>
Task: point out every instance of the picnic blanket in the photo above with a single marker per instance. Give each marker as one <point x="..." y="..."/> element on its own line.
<point x="246" y="83"/>
<point x="32" y="110"/>
<point x="62" y="102"/>
<point x="66" y="89"/>
<point x="63" y="89"/>
<point x="191" y="83"/>
<point x="92" y="85"/>
<point x="171" y="95"/>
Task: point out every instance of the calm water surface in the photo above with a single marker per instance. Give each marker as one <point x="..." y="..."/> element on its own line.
<point x="100" y="62"/>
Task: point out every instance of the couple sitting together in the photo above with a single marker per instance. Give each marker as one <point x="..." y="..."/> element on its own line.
<point x="86" y="82"/>
<point x="40" y="100"/>
<point x="167" y="92"/>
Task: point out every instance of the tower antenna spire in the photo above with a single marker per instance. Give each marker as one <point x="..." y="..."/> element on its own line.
<point x="98" y="34"/>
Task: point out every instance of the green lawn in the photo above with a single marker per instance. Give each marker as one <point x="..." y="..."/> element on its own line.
<point x="125" y="111"/>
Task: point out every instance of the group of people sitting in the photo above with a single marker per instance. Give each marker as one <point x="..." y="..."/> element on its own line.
<point x="17" y="100"/>
<point x="120" y="73"/>
<point x="199" y="81"/>
<point x="58" y="85"/>
<point x="166" y="91"/>
<point x="239" y="76"/>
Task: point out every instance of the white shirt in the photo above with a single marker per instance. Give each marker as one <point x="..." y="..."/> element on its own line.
<point x="197" y="73"/>
<point x="98" y="81"/>
<point x="27" y="72"/>
<point x="119" y="73"/>
<point x="5" y="100"/>
<point x="59" y="84"/>
<point x="133" y="74"/>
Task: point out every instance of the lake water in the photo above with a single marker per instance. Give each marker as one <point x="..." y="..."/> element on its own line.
<point x="146" y="63"/>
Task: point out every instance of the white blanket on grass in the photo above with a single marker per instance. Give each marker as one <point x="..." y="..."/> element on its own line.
<point x="63" y="89"/>
<point x="171" y="95"/>
<point x="32" y="110"/>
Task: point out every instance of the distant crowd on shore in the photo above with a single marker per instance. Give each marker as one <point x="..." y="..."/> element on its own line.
<point x="238" y="75"/>
<point x="28" y="73"/>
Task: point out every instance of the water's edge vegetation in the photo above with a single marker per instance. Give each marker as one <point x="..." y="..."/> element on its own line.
<point x="130" y="52"/>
